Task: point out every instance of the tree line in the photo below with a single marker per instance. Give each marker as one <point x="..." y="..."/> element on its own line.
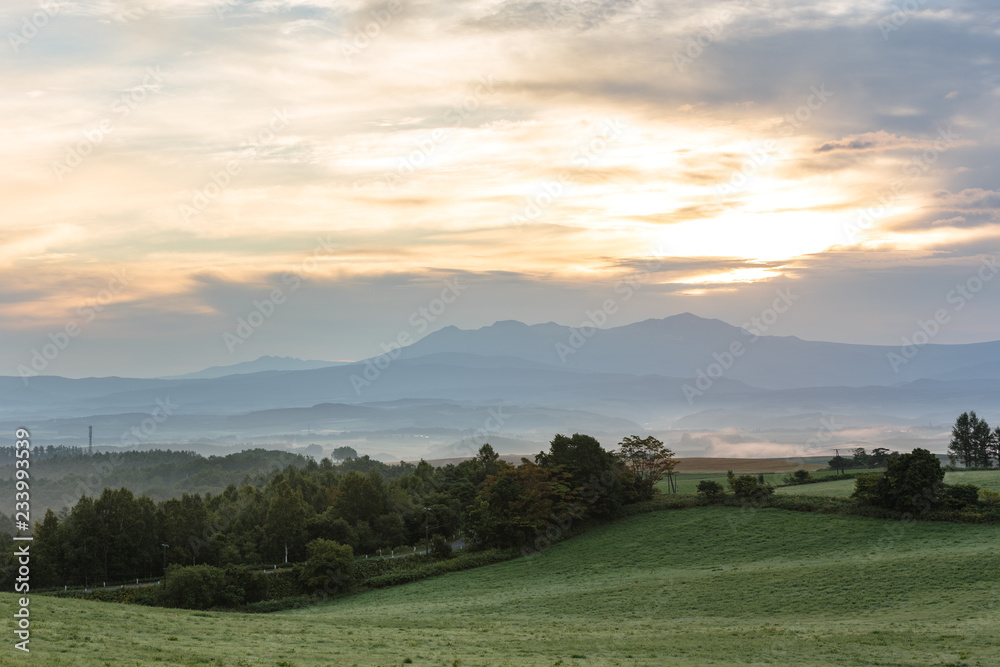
<point x="120" y="536"/>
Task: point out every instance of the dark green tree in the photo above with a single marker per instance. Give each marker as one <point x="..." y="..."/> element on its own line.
<point x="592" y="470"/>
<point x="911" y="483"/>
<point x="329" y="566"/>
<point x="960" y="448"/>
<point x="344" y="453"/>
<point x="47" y="551"/>
<point x="284" y="527"/>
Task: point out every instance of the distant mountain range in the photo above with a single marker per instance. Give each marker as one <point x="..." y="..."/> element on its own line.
<point x="679" y="372"/>
<point x="265" y="363"/>
<point x="679" y="346"/>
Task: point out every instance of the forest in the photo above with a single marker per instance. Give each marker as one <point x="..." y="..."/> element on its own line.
<point x="118" y="536"/>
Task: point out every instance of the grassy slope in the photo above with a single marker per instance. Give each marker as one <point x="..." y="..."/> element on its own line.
<point x="702" y="586"/>
<point x="987" y="479"/>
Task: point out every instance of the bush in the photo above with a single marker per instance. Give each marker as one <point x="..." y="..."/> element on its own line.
<point x="200" y="587"/>
<point x="709" y="488"/>
<point x="748" y="487"/>
<point x="440" y="547"/>
<point x="960" y="496"/>
<point x="799" y="477"/>
<point x="868" y="488"/>
<point x="990" y="499"/>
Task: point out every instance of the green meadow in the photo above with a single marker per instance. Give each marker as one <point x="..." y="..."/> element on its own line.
<point x="702" y="586"/>
<point x="986" y="479"/>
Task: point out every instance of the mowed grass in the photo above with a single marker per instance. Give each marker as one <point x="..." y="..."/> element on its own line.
<point x="986" y="479"/>
<point x="704" y="586"/>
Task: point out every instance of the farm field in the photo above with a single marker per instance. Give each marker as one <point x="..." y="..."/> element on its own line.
<point x="987" y="479"/>
<point x="711" y="585"/>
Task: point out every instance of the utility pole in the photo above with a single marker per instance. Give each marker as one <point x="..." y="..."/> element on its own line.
<point x="91" y="438"/>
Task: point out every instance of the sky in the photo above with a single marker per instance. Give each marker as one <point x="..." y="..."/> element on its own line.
<point x="202" y="182"/>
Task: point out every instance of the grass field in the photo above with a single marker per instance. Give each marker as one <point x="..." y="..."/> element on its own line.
<point x="712" y="585"/>
<point x="713" y="465"/>
<point x="687" y="482"/>
<point x="987" y="479"/>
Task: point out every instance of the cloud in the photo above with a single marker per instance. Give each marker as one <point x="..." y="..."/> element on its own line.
<point x="877" y="141"/>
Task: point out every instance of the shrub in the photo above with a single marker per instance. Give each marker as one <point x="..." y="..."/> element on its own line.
<point x="200" y="587"/>
<point x="440" y="547"/>
<point x="748" y="487"/>
<point x="960" y="496"/>
<point x="990" y="499"/>
<point x="867" y="488"/>
<point x="709" y="488"/>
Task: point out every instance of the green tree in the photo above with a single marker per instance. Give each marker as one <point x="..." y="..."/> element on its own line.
<point x="358" y="499"/>
<point x="47" y="551"/>
<point x="982" y="438"/>
<point x="878" y="457"/>
<point x="344" y="453"/>
<point x="648" y="459"/>
<point x="284" y="527"/>
<point x="329" y="566"/>
<point x="960" y="448"/>
<point x="489" y="459"/>
<point x="592" y="470"/>
<point x="81" y="536"/>
<point x="519" y="503"/>
<point x="121" y="530"/>
<point x="912" y="482"/>
<point x="838" y="463"/>
<point x="861" y="458"/>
